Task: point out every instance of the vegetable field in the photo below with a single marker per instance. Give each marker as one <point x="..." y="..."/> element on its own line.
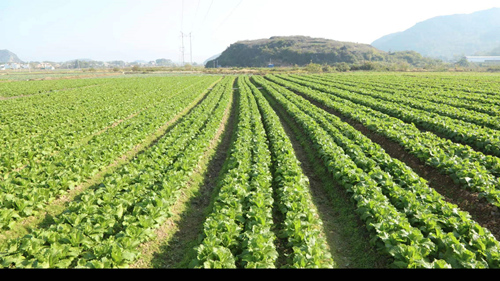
<point x="373" y="170"/>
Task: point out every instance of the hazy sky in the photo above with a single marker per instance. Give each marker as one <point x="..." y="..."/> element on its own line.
<point x="60" y="30"/>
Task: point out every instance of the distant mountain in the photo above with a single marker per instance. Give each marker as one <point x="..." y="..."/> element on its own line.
<point x="448" y="37"/>
<point x="211" y="58"/>
<point x="302" y="50"/>
<point x="8" y="56"/>
<point x="492" y="52"/>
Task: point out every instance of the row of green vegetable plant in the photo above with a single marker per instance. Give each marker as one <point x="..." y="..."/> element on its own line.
<point x="105" y="225"/>
<point x="470" y="86"/>
<point x="29" y="117"/>
<point x="420" y="89"/>
<point x="481" y="138"/>
<point x="393" y="232"/>
<point x="37" y="127"/>
<point x="423" y="206"/>
<point x="414" y="101"/>
<point x="26" y="88"/>
<point x="301" y="225"/>
<point x="468" y="168"/>
<point x="237" y="232"/>
<point x="23" y="193"/>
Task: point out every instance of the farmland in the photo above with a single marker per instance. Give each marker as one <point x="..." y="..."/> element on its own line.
<point x="337" y="170"/>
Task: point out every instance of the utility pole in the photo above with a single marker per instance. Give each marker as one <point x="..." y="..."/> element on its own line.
<point x="183" y="52"/>
<point x="190" y="49"/>
<point x="182" y="48"/>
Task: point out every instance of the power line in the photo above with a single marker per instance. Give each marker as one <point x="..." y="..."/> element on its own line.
<point x="182" y="15"/>
<point x="207" y="12"/>
<point x="195" y="14"/>
<point x="183" y="51"/>
<point x="232" y="11"/>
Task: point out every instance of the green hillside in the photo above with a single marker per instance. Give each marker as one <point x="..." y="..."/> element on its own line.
<point x="303" y="50"/>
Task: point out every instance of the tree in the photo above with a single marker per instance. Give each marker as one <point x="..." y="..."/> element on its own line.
<point x="313" y="67"/>
<point x="164" y="62"/>
<point x="326" y="68"/>
<point x="463" y="62"/>
<point x="343" y="67"/>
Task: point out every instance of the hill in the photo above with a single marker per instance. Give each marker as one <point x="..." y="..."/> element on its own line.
<point x="448" y="37"/>
<point x="303" y="50"/>
<point x="8" y="56"/>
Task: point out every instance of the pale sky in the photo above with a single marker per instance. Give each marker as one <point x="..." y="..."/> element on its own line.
<point x="129" y="30"/>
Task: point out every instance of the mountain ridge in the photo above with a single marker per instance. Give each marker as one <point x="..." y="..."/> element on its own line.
<point x="7" y="56"/>
<point x="448" y="37"/>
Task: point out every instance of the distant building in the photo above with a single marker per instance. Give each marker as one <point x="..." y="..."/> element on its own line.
<point x="484" y="59"/>
<point x="44" y="65"/>
<point x="16" y="66"/>
<point x="13" y="66"/>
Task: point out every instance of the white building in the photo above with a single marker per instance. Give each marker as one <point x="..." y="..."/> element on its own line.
<point x="45" y="65"/>
<point x="485" y="59"/>
<point x="13" y="66"/>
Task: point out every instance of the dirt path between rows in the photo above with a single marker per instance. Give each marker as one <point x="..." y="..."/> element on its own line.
<point x="345" y="232"/>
